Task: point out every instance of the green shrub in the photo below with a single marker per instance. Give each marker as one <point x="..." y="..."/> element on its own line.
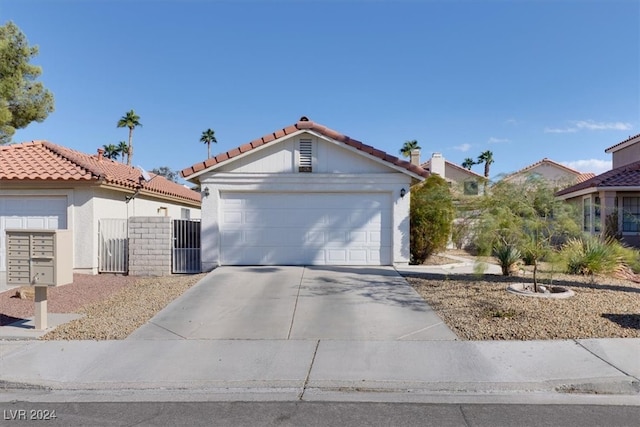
<point x="591" y="255"/>
<point x="507" y="255"/>
<point x="431" y="215"/>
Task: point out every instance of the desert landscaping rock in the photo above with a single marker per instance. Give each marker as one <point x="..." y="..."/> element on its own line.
<point x="480" y="308"/>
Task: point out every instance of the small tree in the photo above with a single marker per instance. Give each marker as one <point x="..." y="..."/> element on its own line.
<point x="111" y="151"/>
<point x="431" y="215"/>
<point x="208" y="136"/>
<point x="408" y="147"/>
<point x="166" y="172"/>
<point x="22" y="99"/>
<point x="130" y="120"/>
<point x="123" y="149"/>
<point x="526" y="216"/>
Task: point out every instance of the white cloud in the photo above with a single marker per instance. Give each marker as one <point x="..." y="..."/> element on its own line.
<point x="591" y="165"/>
<point x="513" y="122"/>
<point x="494" y="140"/>
<point x="590" y="125"/>
<point x="464" y="147"/>
<point x="558" y="130"/>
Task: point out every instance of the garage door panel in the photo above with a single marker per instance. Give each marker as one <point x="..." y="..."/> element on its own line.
<point x="310" y="228"/>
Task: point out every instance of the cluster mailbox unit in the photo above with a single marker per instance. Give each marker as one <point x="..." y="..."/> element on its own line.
<point x="39" y="258"/>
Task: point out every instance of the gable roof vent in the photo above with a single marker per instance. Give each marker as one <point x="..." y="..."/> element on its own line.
<point x="306" y="155"/>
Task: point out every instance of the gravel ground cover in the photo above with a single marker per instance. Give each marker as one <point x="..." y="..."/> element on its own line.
<point x="112" y="306"/>
<point x="478" y="307"/>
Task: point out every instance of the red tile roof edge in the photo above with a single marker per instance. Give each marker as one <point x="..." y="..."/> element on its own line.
<point x="601" y="180"/>
<point x="108" y="171"/>
<point x="305" y="124"/>
<point x="544" y="160"/>
<point x="447" y="162"/>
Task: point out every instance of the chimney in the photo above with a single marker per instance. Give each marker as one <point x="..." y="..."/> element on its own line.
<point x="437" y="164"/>
<point x="415" y="156"/>
<point x="100" y="154"/>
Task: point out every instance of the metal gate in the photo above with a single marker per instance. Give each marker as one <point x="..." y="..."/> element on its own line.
<point x="113" y="247"/>
<point x="186" y="246"/>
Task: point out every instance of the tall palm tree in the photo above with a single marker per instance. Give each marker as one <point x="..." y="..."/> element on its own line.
<point x="486" y="157"/>
<point x="123" y="149"/>
<point x="408" y="147"/>
<point x="468" y="162"/>
<point x="130" y="120"/>
<point x="208" y="136"/>
<point x="111" y="151"/>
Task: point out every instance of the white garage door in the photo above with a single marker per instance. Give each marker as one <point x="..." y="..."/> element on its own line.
<point x="30" y="212"/>
<point x="305" y="229"/>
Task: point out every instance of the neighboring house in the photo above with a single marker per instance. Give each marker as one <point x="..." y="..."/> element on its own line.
<point x="553" y="172"/>
<point x="611" y="201"/>
<point x="460" y="179"/>
<point x="47" y="186"/>
<point x="305" y="195"/>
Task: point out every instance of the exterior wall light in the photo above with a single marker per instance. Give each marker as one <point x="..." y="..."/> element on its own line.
<point x="402" y="193"/>
<point x="205" y="191"/>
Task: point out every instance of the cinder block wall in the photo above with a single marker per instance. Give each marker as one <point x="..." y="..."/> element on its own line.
<point x="150" y="246"/>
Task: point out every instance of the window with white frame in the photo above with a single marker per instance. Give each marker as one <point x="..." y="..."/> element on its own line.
<point x="630" y="214"/>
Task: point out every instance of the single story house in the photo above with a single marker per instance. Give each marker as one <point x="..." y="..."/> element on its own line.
<point x="305" y="195"/>
<point x="611" y="201"/>
<point x="461" y="180"/>
<point x="554" y="173"/>
<point x="48" y="186"/>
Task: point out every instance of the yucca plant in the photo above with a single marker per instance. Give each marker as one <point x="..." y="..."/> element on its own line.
<point x="507" y="255"/>
<point x="591" y="255"/>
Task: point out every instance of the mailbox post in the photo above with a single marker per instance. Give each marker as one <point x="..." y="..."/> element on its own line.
<point x="39" y="258"/>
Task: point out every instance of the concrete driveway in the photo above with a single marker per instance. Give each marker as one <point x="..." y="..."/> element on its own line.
<point x="298" y="303"/>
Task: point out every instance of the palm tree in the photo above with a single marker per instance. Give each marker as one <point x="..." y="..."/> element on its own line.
<point x="123" y="149"/>
<point x="486" y="157"/>
<point x="408" y="147"/>
<point x="111" y="151"/>
<point x="130" y="120"/>
<point x="468" y="162"/>
<point x="208" y="136"/>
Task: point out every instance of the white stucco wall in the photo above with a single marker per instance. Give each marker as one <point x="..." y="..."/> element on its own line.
<point x="390" y="183"/>
<point x="281" y="157"/>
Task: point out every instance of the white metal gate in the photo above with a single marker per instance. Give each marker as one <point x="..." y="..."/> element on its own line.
<point x="186" y="246"/>
<point x="113" y="244"/>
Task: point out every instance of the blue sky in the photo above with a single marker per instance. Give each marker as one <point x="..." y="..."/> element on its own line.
<point x="524" y="79"/>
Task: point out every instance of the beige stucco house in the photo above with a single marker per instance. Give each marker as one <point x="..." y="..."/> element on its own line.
<point x="461" y="180"/>
<point x="553" y="172"/>
<point x="48" y="186"/>
<point x="611" y="201"/>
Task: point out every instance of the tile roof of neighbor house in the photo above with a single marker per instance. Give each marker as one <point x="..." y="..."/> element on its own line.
<point x="624" y="176"/>
<point x="45" y="161"/>
<point x="304" y="124"/>
<point x="427" y="166"/>
<point x="580" y="177"/>
<point x="613" y="147"/>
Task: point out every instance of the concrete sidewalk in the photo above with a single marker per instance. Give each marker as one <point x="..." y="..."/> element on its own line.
<point x="581" y="371"/>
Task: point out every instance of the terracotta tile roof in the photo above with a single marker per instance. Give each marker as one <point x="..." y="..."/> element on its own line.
<point x="427" y="166"/>
<point x="620" y="143"/>
<point x="304" y="124"/>
<point x="45" y="161"/>
<point x="549" y="162"/>
<point x="624" y="176"/>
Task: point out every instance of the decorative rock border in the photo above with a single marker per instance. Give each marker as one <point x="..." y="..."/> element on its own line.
<point x="555" y="292"/>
